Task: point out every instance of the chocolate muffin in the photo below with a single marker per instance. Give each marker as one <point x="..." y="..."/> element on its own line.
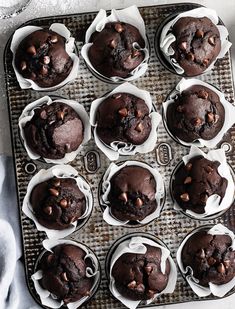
<point x="64" y="273"/>
<point x="42" y="57"/>
<point x="196" y="113"/>
<point x="123" y="117"/>
<point x="197" y="44"/>
<point x="54" y="130"/>
<point x="139" y="276"/>
<point x="57" y="202"/>
<point x="112" y="52"/>
<point x="211" y="258"/>
<point x="195" y="182"/>
<point x="132" y="193"/>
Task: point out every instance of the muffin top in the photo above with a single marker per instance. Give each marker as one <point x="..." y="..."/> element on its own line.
<point x="211" y="258"/>
<point x="123" y="117"/>
<point x="196" y="113"/>
<point x="132" y="193"/>
<point x="112" y="52"/>
<point x="197" y="44"/>
<point x="42" y="57"/>
<point x="57" y="202"/>
<point x="195" y="182"/>
<point x="139" y="276"/>
<point x="54" y="130"/>
<point x="64" y="273"/>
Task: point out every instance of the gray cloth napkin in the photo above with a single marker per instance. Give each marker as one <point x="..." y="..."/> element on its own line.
<point x="14" y="292"/>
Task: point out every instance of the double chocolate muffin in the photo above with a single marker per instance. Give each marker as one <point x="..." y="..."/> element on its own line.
<point x="197" y="44"/>
<point x="132" y="193"/>
<point x="42" y="57"/>
<point x="123" y="117"/>
<point x="196" y="113"/>
<point x="139" y="276"/>
<point x="112" y="52"/>
<point x="64" y="273"/>
<point x="57" y="202"/>
<point x="54" y="130"/>
<point x="195" y="182"/>
<point x="211" y="258"/>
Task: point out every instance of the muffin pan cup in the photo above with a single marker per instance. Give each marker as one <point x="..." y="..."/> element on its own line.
<point x="91" y="163"/>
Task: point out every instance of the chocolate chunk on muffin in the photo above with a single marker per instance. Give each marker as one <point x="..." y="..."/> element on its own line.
<point x="197" y="44"/>
<point x="57" y="202"/>
<point x="54" y="130"/>
<point x="197" y="113"/>
<point x="139" y="276"/>
<point x="64" y="273"/>
<point x="211" y="258"/>
<point x="195" y="182"/>
<point x="132" y="193"/>
<point x="42" y="57"/>
<point x="112" y="52"/>
<point x="123" y="117"/>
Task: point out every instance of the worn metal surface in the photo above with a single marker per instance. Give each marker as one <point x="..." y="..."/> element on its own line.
<point x="172" y="226"/>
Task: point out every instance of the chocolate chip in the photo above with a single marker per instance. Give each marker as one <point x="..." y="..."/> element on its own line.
<point x="226" y="264"/>
<point x="46" y="60"/>
<point x="135" y="53"/>
<point x="210" y="117"/>
<point x="211" y="261"/>
<point x="197" y="122"/>
<point x="187" y="180"/>
<point x="23" y="65"/>
<point x="113" y="44"/>
<point x="48" y="210"/>
<point x="140" y="288"/>
<point x="43" y="70"/>
<point x="203" y="94"/>
<point x="148" y="270"/>
<point x="180" y="108"/>
<point x="56" y="182"/>
<point x="221" y="268"/>
<point x="60" y="115"/>
<point x="205" y="62"/>
<point x="190" y="57"/>
<point x="116" y="95"/>
<point x="209" y="169"/>
<point x="54" y="39"/>
<point x="31" y="50"/>
<point x="139" y="127"/>
<point x="138" y="202"/>
<point x="138" y="113"/>
<point x="123" y="197"/>
<point x="211" y="40"/>
<point x="183" y="45"/>
<point x="184" y="197"/>
<point x="132" y="285"/>
<point x="64" y="277"/>
<point x="216" y="118"/>
<point x="118" y="28"/>
<point x="63" y="203"/>
<point x="43" y="114"/>
<point x="54" y="192"/>
<point x="123" y="112"/>
<point x="202" y="254"/>
<point x="188" y="166"/>
<point x="199" y="34"/>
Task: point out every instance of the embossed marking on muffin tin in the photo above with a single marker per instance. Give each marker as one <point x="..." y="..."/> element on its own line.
<point x="171" y="226"/>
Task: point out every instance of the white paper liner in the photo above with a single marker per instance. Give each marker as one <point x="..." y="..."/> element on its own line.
<point x="23" y="32"/>
<point x="106" y="186"/>
<point x="28" y="114"/>
<point x="229" y="117"/>
<point x="122" y="148"/>
<point x="60" y="171"/>
<point x="47" y="299"/>
<point x="201" y="291"/>
<point x="136" y="245"/>
<point x="129" y="15"/>
<point x="214" y="204"/>
<point x="167" y="37"/>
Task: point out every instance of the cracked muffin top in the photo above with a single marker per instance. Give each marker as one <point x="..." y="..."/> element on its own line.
<point x="54" y="130"/>
<point x="195" y="182"/>
<point x="211" y="258"/>
<point x="196" y="113"/>
<point x="139" y="276"/>
<point x="112" y="52"/>
<point x="197" y="44"/>
<point x="42" y="57"/>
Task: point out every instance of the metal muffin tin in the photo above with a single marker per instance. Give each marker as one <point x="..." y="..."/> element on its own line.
<point x="172" y="226"/>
